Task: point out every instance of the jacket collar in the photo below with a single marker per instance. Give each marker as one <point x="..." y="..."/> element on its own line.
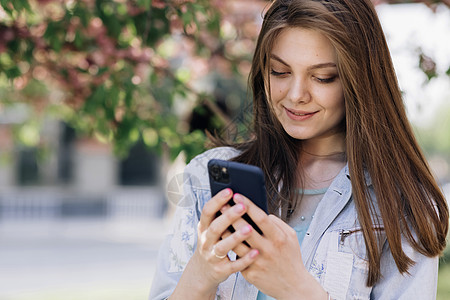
<point x="334" y="201"/>
<point x="366" y="175"/>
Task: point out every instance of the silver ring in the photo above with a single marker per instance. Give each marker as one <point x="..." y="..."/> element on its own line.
<point x="215" y="254"/>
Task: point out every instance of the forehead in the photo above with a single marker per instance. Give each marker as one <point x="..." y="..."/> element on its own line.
<point x="301" y="45"/>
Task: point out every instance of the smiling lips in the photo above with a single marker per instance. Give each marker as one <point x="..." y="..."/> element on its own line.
<point x="298" y="115"/>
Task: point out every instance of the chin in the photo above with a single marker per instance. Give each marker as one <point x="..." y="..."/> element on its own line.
<point x="298" y="135"/>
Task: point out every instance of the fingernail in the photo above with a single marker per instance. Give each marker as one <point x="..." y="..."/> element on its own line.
<point x="238" y="197"/>
<point x="239" y="207"/>
<point x="254" y="253"/>
<point x="246" y="229"/>
<point x="225" y="192"/>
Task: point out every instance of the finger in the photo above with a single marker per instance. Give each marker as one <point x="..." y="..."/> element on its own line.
<point x="240" y="249"/>
<point x="280" y="224"/>
<point x="243" y="262"/>
<point x="226" y="234"/>
<point x="212" y="207"/>
<point x="245" y="246"/>
<point x="220" y="224"/>
<point x="234" y="240"/>
<point x="225" y="208"/>
<point x="258" y="216"/>
<point x="283" y="226"/>
<point x="255" y="240"/>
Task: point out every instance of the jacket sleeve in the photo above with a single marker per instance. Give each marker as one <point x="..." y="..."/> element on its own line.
<point x="420" y="282"/>
<point x="181" y="241"/>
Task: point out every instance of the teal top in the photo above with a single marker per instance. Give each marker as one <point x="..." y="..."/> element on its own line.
<point x="299" y="229"/>
<point x="313" y="192"/>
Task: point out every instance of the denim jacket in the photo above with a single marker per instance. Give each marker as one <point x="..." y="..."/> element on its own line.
<point x="333" y="249"/>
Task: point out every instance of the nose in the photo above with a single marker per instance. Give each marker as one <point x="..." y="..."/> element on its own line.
<point x="299" y="91"/>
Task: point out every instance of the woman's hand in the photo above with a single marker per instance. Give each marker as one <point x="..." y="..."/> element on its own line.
<point x="210" y="246"/>
<point x="210" y="264"/>
<point x="278" y="271"/>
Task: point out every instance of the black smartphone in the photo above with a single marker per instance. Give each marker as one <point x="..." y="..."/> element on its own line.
<point x="241" y="178"/>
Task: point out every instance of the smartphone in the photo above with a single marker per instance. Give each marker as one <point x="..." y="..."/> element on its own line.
<point x="241" y="178"/>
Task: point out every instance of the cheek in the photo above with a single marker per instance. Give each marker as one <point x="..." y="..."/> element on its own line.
<point x="340" y="102"/>
<point x="277" y="91"/>
<point x="276" y="96"/>
<point x="339" y="107"/>
<point x="334" y="99"/>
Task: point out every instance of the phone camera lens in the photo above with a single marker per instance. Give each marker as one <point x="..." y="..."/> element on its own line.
<point x="215" y="171"/>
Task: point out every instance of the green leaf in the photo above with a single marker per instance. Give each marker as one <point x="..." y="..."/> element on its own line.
<point x="6" y="60"/>
<point x="110" y="102"/>
<point x="56" y="44"/>
<point x="187" y="18"/>
<point x="113" y="25"/>
<point x="20" y="5"/>
<point x="145" y="3"/>
<point x="110" y="17"/>
<point x="54" y="35"/>
<point x="153" y="26"/>
<point x="150" y="137"/>
<point x="102" y="70"/>
<point x="214" y="24"/>
<point x="13" y="72"/>
<point x="201" y="8"/>
<point x="17" y="5"/>
<point x="6" y="4"/>
<point x="82" y="13"/>
<point x="26" y="5"/>
<point x="114" y="95"/>
<point x="94" y="100"/>
<point x="14" y="46"/>
<point x="79" y="40"/>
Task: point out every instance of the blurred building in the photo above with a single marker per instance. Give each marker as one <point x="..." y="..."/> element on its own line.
<point x="76" y="177"/>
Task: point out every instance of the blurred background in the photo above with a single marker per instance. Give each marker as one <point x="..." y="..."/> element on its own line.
<point x="102" y="102"/>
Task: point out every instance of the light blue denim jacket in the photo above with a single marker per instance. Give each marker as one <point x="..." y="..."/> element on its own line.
<point x="333" y="249"/>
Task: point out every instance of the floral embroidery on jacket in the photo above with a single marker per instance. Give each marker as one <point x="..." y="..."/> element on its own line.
<point x="183" y="239"/>
<point x="317" y="269"/>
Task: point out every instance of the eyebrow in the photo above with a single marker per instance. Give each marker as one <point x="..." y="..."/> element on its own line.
<point x="313" y="67"/>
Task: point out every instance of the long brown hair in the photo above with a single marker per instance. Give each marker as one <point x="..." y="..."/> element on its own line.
<point x="379" y="138"/>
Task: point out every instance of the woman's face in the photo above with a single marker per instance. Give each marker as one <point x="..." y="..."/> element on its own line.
<point x="305" y="88"/>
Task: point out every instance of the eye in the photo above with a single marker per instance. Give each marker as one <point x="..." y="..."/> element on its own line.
<point x="326" y="80"/>
<point x="275" y="73"/>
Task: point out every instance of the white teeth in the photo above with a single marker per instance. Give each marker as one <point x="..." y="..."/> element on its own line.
<point x="299" y="114"/>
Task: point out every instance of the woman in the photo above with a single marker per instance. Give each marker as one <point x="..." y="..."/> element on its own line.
<point x="355" y="211"/>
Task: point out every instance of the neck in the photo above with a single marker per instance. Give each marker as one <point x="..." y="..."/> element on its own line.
<point x="321" y="160"/>
<point x="324" y="146"/>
